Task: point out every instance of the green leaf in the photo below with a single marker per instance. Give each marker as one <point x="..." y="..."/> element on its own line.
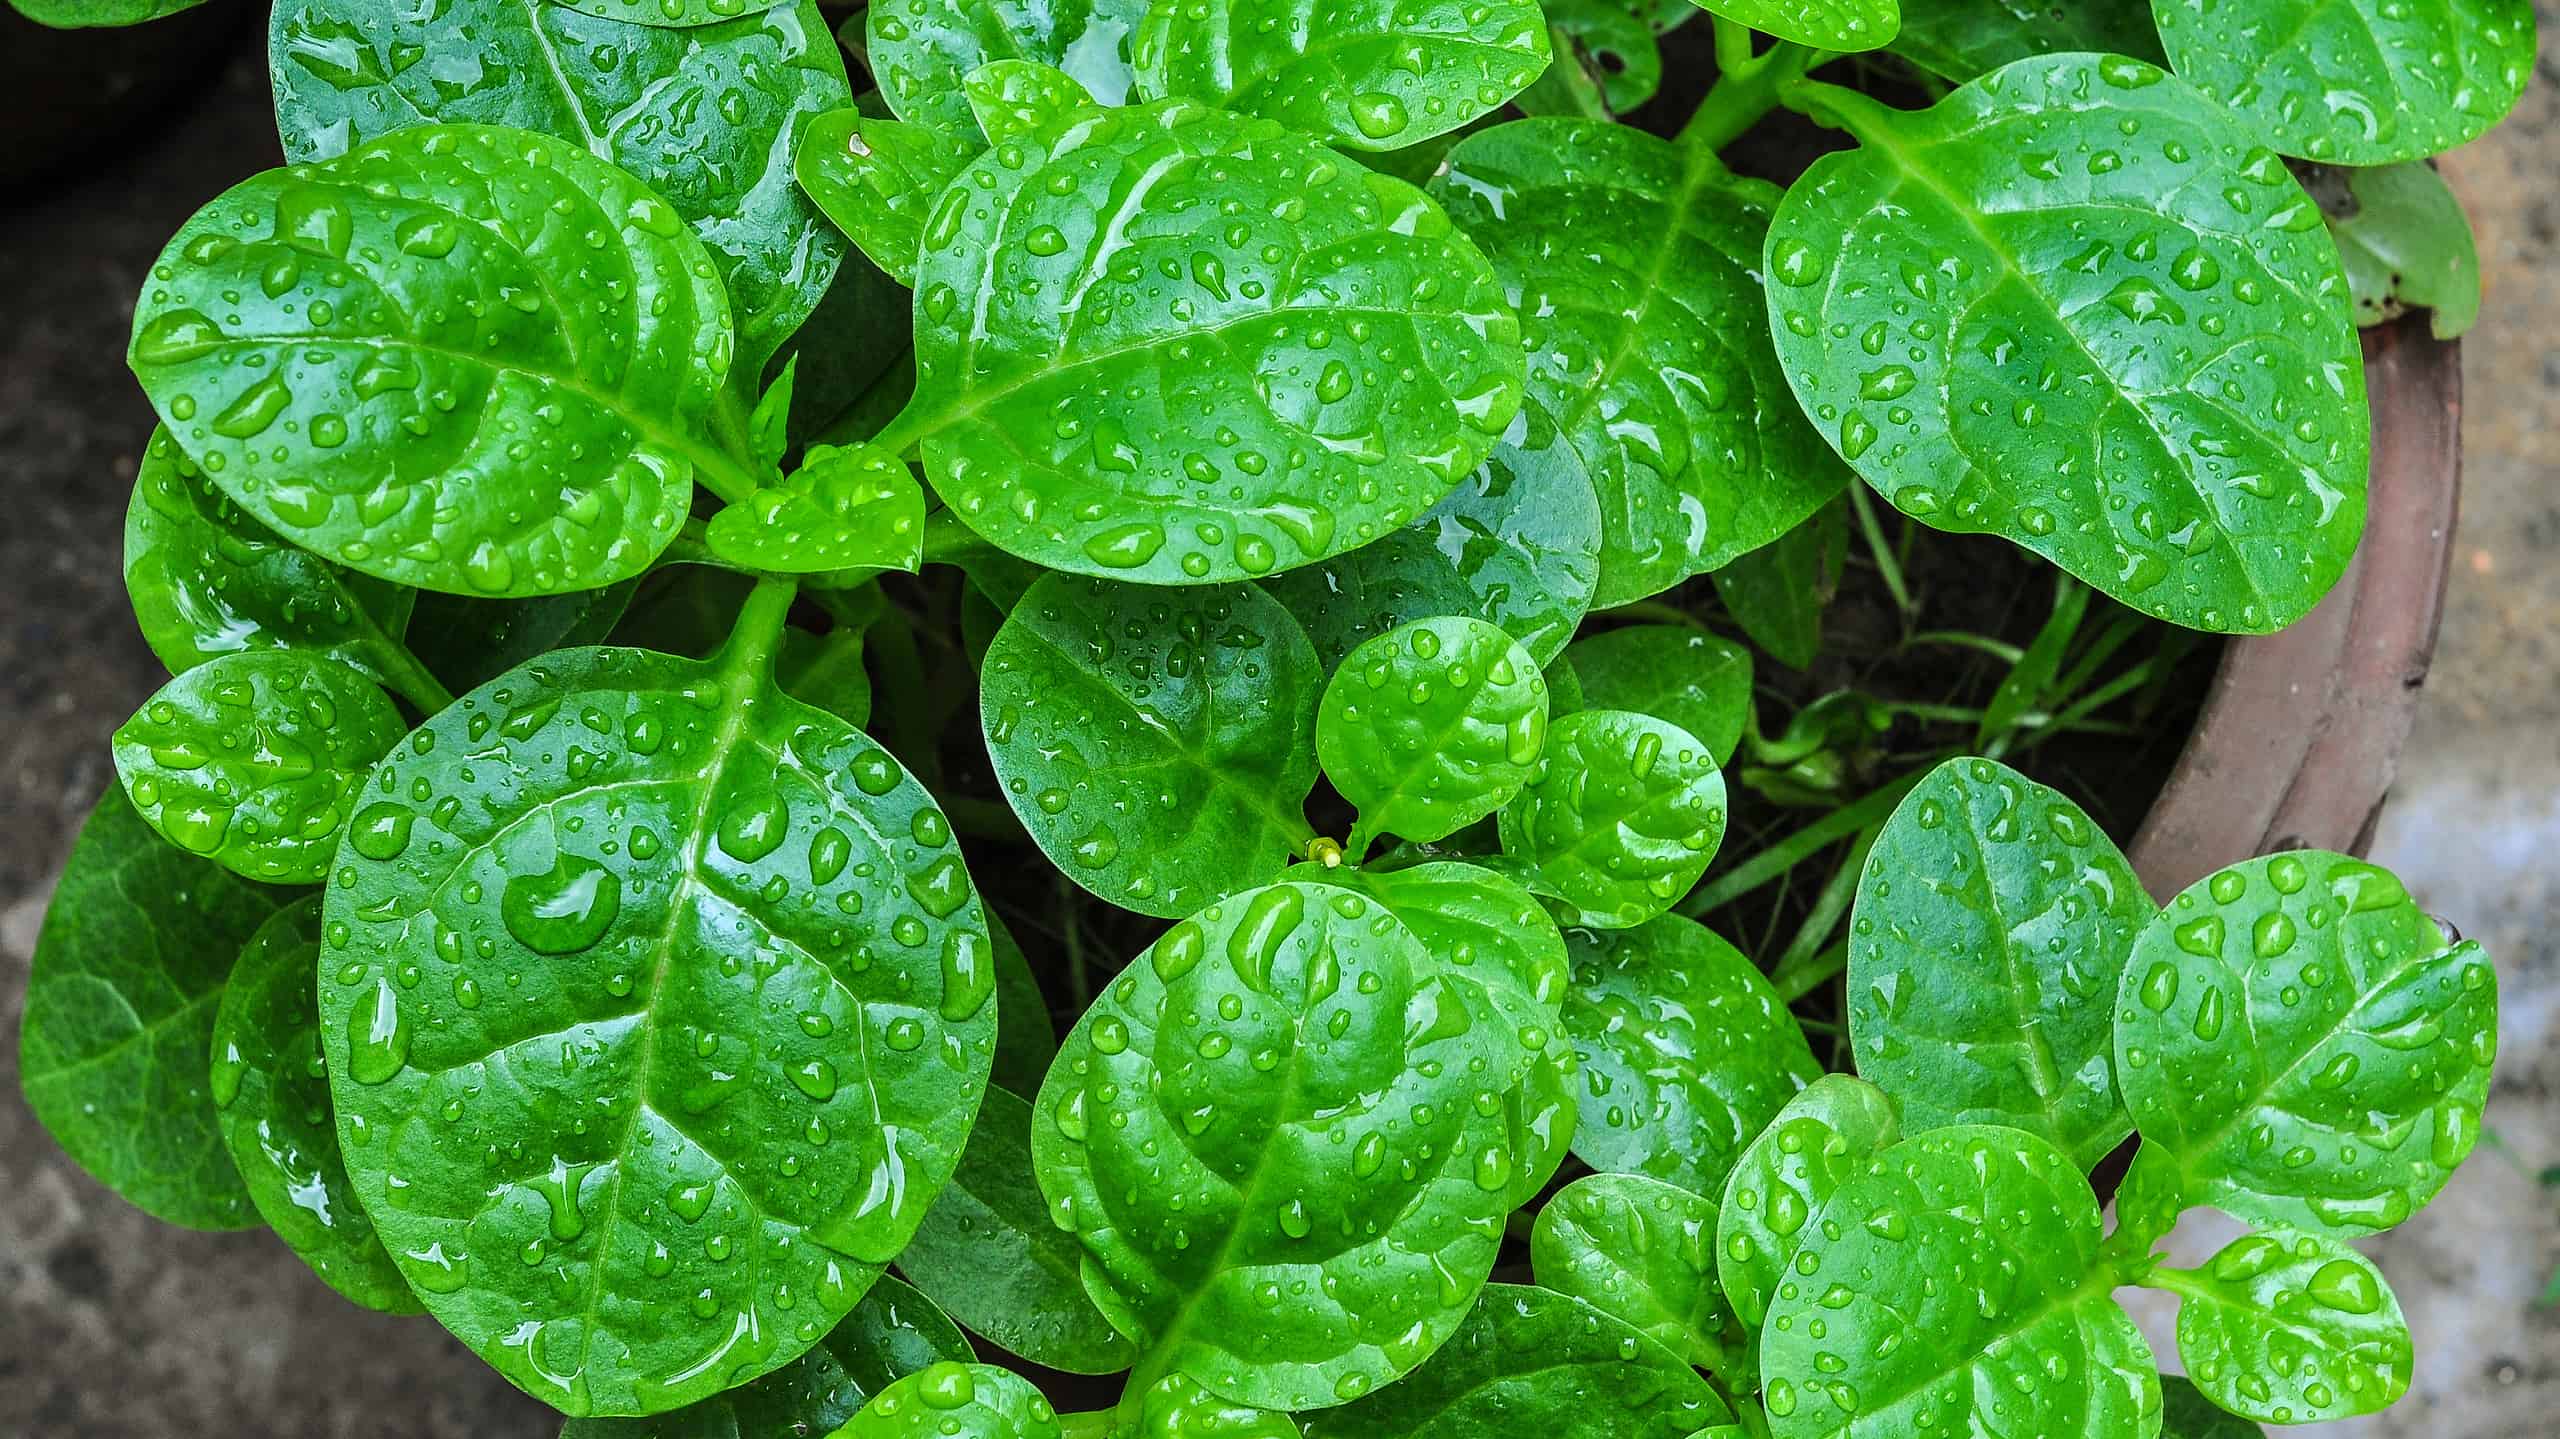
<point x="1026" y="1039"/>
<point x="80" y="14"/>
<point x="207" y="580"/>
<point x="2131" y="358"/>
<point x="616" y="832"/>
<point x="407" y="360"/>
<point x="1992" y="921"/>
<point x="1979" y="1242"/>
<point x="252" y="760"/>
<point x="1614" y="43"/>
<point x="769" y="424"/>
<point x="704" y="116"/>
<point x="1286" y="1089"/>
<point x="1023" y="100"/>
<point x="1176" y="1408"/>
<point x="2356" y="82"/>
<point x="2292" y="1329"/>
<point x="826" y="672"/>
<point x="1369" y="76"/>
<point x="2405" y="242"/>
<point x="1635" y="265"/>
<point x="2186" y="1414"/>
<point x="1687" y="1053"/>
<point x="1329" y="358"/>
<point x="1846" y="25"/>
<point x="1961" y="40"/>
<point x="848" y="507"/>
<point x="1640" y="1251"/>
<point x="121" y="996"/>
<point x="1430" y="727"/>
<point x="1777" y="592"/>
<point x="877" y="181"/>
<point x="684" y="15"/>
<point x="1516" y="543"/>
<point x="2306" y="1044"/>
<point x="1619" y="818"/>
<point x="991" y="1255"/>
<point x="467" y="642"/>
<point x="956" y="1401"/>
<point x="892" y="1333"/>
<point x="1687" y="676"/>
<point x="1535" y="1362"/>
<point x="923" y="51"/>
<point x="271" y="1098"/>
<point x="1155" y="742"/>
<point x="2149" y="1200"/>
<point x="1821" y="1140"/>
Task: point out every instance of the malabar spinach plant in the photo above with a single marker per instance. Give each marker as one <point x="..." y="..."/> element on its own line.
<point x="669" y="563"/>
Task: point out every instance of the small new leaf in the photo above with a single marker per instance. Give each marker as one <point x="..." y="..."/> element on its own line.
<point x="1618" y="820"/>
<point x="1821" y="1140"/>
<point x="1642" y="1251"/>
<point x="1430" y="727"/>
<point x="848" y="507"/>
<point x="2291" y="1328"/>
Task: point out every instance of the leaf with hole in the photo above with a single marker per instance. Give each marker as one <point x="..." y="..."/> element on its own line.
<point x="1619" y="818"/>
<point x="1821" y="1140"/>
<point x="1640" y="1251"/>
<point x="1691" y="678"/>
<point x="1430" y="727"/>
<point x="2291" y="1328"/>
<point x="846" y="508"/>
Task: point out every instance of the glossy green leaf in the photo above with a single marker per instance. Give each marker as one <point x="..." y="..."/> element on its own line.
<point x="271" y="1098"/>
<point x="956" y="1401"/>
<point x="877" y="181"/>
<point x="923" y="51"/>
<point x="1155" y="742"/>
<point x="1287" y="1090"/>
<point x="847" y="507"/>
<point x="121" y="996"/>
<point x="251" y="760"/>
<point x="1991" y="924"/>
<point x="705" y="115"/>
<point x="1430" y="727"/>
<point x="1327" y="360"/>
<point x="1614" y="43"/>
<point x="1961" y="40"/>
<point x="1821" y="1140"/>
<point x="769" y="423"/>
<point x="2130" y="355"/>
<point x="1777" y="592"/>
<point x="81" y="14"/>
<point x="1641" y="1251"/>
<point x="627" y="1166"/>
<point x="1979" y="1243"/>
<point x="1535" y="1362"/>
<point x="468" y="642"/>
<point x="2405" y="242"/>
<point x="1368" y="76"/>
<point x="1176" y="1408"/>
<point x="207" y="580"/>
<point x="2306" y="1044"/>
<point x="892" y="1333"/>
<point x="1023" y="100"/>
<point x="407" y="360"/>
<point x="2356" y="82"/>
<point x="2149" y="1200"/>
<point x="1636" y="267"/>
<point x="2186" y="1414"/>
<point x="1687" y="676"/>
<point x="1687" y="1053"/>
<point x="1619" y="818"/>
<point x="1517" y="543"/>
<point x="2292" y="1329"/>
<point x="990" y="1254"/>
<point x="1026" y="1038"/>
<point x="671" y="14"/>
<point x="1846" y="25"/>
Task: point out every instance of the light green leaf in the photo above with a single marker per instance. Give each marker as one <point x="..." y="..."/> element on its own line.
<point x="769" y="423"/>
<point x="2291" y="1328"/>
<point x="956" y="1401"/>
<point x="406" y="361"/>
<point x="1846" y="25"/>
<point x="2305" y="1043"/>
<point x="81" y="14"/>
<point x="1818" y="1142"/>
<point x="1023" y="100"/>
<point x="1641" y="1251"/>
<point x="848" y="507"/>
<point x="2356" y="82"/>
<point x="252" y="760"/>
<point x="1961" y="40"/>
<point x="1430" y="727"/>
<point x="1155" y="742"/>
<point x="877" y="180"/>
<point x="1636" y="268"/>
<point x="1176" y="1408"/>
<point x="923" y="51"/>
<point x="2405" y="242"/>
<point x="1618" y="820"/>
<point x="1687" y="676"/>
<point x="1369" y="76"/>
<point x="2133" y="358"/>
<point x="1327" y="361"/>
<point x="671" y="14"/>
<point x="1687" y="1053"/>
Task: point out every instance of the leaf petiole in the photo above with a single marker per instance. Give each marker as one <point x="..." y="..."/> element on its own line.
<point x="1838" y="107"/>
<point x="1749" y="87"/>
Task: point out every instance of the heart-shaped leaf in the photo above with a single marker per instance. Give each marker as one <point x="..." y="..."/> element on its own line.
<point x="1641" y="1251"/>
<point x="1961" y="40"/>
<point x="561" y="871"/>
<point x="2131" y="357"/>
<point x="956" y="1401"/>
<point x="704" y="116"/>
<point x="1155" y="742"/>
<point x="377" y="357"/>
<point x="848" y="507"/>
<point x="1636" y="267"/>
<point x="1846" y="25"/>
<point x="2291" y="1328"/>
<point x="878" y="180"/>
<point x="252" y="760"/>
<point x="1430" y="727"/>
<point x="923" y="51"/>
<point x="2356" y="82"/>
<point x="2306" y="1044"/>
<point x="1821" y="1140"/>
<point x="1991" y="924"/>
<point x="1618" y="820"/>
<point x="1328" y="358"/>
<point x="1369" y="76"/>
<point x="1691" y="678"/>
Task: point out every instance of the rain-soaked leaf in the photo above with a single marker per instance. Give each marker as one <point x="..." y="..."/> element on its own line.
<point x="923" y="51"/>
<point x="2291" y="1328"/>
<point x="1641" y="1251"/>
<point x="1430" y="727"/>
<point x="671" y="14"/>
<point x="1845" y="25"/>
<point x="877" y="181"/>
<point x="1023" y="100"/>
<point x="1821" y="1140"/>
<point x="2130" y="354"/>
<point x="1687" y="676"/>
<point x="1619" y="818"/>
<point x="847" y="507"/>
<point x="956" y="1401"/>
<point x="1960" y="40"/>
<point x="2405" y="242"/>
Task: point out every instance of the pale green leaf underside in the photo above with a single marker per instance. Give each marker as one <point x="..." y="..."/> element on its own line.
<point x="2406" y="245"/>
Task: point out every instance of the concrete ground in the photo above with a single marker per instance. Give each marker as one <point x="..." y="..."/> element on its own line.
<point x="113" y="1325"/>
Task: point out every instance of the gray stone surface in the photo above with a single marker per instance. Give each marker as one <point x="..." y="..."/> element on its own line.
<point x="113" y="1325"/>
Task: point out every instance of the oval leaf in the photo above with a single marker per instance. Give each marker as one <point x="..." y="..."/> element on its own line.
<point x="1960" y="40"/>
<point x="1023" y="100"/>
<point x="2292" y="1329"/>
<point x="1846" y="25"/>
<point x="1636" y="266"/>
<point x="611" y="832"/>
<point x="1155" y="742"/>
<point x="1619" y="819"/>
<point x="2305" y="1044"/>
<point x="956" y="1401"/>
<point x="846" y="507"/>
<point x="877" y="180"/>
<point x="1328" y="359"/>
<point x="251" y="760"/>
<point x="1821" y="1140"/>
<point x="1642" y="1251"/>
<point x="1691" y="678"/>
<point x="923" y="52"/>
<point x="1430" y="727"/>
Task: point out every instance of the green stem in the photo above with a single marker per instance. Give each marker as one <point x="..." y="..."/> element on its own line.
<point x="1749" y="87"/>
<point x="1886" y="565"/>
<point x="408" y="677"/>
<point x="757" y="636"/>
<point x="1838" y="107"/>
